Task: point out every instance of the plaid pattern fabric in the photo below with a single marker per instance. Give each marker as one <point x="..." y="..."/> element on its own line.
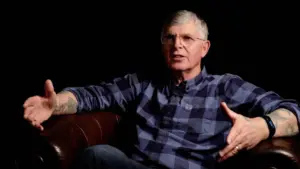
<point x="181" y="126"/>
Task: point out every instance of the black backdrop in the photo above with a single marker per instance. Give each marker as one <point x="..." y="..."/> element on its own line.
<point x="79" y="44"/>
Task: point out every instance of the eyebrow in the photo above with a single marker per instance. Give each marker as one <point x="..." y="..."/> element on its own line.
<point x="185" y="34"/>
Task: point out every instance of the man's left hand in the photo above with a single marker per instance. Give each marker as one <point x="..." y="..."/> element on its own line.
<point x="245" y="133"/>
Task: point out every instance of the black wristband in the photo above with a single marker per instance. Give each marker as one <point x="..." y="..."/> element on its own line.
<point x="270" y="125"/>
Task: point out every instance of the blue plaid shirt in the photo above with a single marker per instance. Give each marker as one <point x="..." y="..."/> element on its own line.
<point x="181" y="126"/>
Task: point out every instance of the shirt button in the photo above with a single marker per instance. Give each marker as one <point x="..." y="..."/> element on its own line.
<point x="188" y="106"/>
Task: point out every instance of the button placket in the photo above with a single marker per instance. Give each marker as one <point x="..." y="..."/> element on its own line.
<point x="186" y="103"/>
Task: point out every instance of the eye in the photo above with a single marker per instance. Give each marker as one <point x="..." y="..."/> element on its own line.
<point x="169" y="37"/>
<point x="187" y="38"/>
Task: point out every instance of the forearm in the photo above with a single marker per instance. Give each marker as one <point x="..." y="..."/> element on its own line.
<point x="66" y="103"/>
<point x="285" y="122"/>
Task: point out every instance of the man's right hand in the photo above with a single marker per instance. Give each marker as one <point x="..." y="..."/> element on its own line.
<point x="38" y="109"/>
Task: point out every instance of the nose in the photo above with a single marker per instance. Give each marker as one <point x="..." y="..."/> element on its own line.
<point x="178" y="42"/>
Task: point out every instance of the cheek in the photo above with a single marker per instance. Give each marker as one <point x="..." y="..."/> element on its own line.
<point x="166" y="52"/>
<point x="195" y="54"/>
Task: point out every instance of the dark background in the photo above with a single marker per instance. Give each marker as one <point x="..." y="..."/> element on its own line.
<point x="78" y="44"/>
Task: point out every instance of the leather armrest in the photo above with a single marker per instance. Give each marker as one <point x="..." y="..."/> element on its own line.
<point x="66" y="135"/>
<point x="279" y="153"/>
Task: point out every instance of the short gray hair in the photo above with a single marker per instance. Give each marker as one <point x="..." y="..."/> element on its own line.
<point x="183" y="16"/>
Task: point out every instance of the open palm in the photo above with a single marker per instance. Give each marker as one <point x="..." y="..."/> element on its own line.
<point x="37" y="109"/>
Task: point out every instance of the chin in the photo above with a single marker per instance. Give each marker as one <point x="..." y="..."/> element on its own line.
<point x="178" y="67"/>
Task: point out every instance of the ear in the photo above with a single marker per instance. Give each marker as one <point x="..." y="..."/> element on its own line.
<point x="205" y="47"/>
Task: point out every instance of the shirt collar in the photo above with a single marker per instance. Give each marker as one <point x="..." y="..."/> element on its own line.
<point x="188" y="84"/>
<point x="196" y="80"/>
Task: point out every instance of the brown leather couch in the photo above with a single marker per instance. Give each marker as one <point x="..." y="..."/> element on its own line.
<point x="66" y="136"/>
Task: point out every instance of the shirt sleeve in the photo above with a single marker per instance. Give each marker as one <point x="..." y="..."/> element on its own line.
<point x="253" y="101"/>
<point x="116" y="94"/>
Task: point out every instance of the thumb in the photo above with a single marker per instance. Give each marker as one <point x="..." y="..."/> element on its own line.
<point x="49" y="89"/>
<point x="229" y="112"/>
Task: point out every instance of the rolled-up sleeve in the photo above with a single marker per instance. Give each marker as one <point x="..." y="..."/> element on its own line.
<point x="116" y="94"/>
<point x="254" y="100"/>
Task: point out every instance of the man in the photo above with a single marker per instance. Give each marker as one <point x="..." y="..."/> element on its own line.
<point x="190" y="120"/>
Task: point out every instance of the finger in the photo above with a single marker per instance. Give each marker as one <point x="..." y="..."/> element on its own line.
<point x="31" y="101"/>
<point x="235" y="143"/>
<point x="32" y="115"/>
<point x="35" y="121"/>
<point x="233" y="133"/>
<point x="39" y="126"/>
<point x="234" y="150"/>
<point x="49" y="89"/>
<point x="36" y="116"/>
<point x="238" y="144"/>
<point x="28" y="111"/>
<point x="230" y="154"/>
<point x="229" y="112"/>
<point x="40" y="117"/>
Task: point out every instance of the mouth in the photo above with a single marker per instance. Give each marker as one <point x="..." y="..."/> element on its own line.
<point x="177" y="56"/>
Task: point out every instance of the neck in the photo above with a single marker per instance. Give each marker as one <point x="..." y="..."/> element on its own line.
<point x="181" y="76"/>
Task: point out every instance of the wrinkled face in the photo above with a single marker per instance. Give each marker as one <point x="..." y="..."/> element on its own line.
<point x="183" y="48"/>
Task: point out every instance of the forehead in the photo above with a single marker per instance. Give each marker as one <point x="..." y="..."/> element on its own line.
<point x="189" y="27"/>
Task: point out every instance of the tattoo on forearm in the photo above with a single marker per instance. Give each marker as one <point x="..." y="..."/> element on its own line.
<point x="285" y="122"/>
<point x="65" y="108"/>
